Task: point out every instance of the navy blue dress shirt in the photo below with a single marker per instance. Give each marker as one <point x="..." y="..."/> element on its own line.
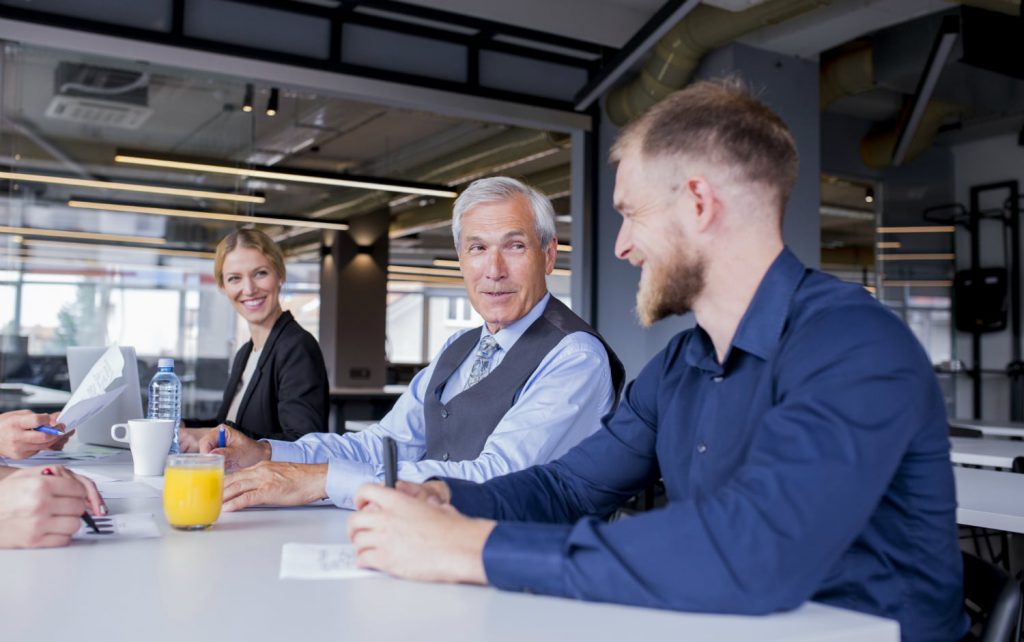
<point x="811" y="464"/>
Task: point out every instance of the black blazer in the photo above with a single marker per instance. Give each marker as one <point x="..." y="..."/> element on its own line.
<point x="288" y="394"/>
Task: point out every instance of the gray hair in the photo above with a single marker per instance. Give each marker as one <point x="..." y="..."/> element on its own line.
<point x="497" y="189"/>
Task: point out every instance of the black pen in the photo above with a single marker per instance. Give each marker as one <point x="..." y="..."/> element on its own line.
<point x="390" y="462"/>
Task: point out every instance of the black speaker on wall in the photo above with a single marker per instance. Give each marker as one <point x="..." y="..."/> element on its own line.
<point x="979" y="300"/>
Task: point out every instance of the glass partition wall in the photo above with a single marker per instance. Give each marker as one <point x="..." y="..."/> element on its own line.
<point x="103" y="241"/>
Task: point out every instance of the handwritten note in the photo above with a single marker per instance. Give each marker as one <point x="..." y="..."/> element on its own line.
<point x="102" y="373"/>
<point x="321" y="562"/>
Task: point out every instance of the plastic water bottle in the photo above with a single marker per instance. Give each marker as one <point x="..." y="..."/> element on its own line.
<point x="165" y="397"/>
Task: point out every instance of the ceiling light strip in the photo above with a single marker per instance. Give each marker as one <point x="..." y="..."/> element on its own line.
<point x="47" y="260"/>
<point x="918" y="229"/>
<point x="165" y="251"/>
<point x="131" y="187"/>
<point x="917" y="257"/>
<point x="361" y="183"/>
<point x="198" y="214"/>
<point x="75" y="234"/>
<point x="455" y="264"/>
<point x="410" y="269"/>
<point x="920" y="283"/>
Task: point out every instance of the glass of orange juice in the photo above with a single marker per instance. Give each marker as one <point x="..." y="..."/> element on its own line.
<point x="193" y="487"/>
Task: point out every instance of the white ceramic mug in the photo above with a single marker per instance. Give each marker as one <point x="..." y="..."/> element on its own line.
<point x="150" y="441"/>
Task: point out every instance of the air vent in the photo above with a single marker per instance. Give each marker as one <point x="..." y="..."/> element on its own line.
<point x="100" y="96"/>
<point x="102" y="113"/>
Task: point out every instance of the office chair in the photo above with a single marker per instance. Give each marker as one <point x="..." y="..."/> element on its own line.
<point x="993" y="601"/>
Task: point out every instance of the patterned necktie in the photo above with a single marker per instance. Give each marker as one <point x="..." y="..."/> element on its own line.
<point x="482" y="366"/>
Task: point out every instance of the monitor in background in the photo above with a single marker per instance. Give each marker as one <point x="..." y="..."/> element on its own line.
<point x="128" y="404"/>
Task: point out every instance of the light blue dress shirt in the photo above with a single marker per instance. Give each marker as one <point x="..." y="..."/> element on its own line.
<point x="561" y="403"/>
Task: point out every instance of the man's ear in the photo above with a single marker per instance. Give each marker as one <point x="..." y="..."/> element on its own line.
<point x="703" y="195"/>
<point x="550" y="254"/>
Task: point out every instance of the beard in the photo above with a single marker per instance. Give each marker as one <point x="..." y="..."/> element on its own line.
<point x="669" y="288"/>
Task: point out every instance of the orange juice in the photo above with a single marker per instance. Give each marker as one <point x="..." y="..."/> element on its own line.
<point x="192" y="495"/>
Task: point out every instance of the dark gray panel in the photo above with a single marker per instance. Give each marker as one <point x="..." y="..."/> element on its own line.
<point x="248" y="25"/>
<point x="528" y="76"/>
<point x="154" y="15"/>
<point x="403" y="53"/>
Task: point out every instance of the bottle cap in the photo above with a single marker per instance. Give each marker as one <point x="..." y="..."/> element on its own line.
<point x="165" y="362"/>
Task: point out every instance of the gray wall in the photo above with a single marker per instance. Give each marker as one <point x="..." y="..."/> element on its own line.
<point x="790" y="87"/>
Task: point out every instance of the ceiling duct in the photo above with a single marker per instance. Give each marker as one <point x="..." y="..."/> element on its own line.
<point x="851" y="71"/>
<point x="100" y="96"/>
<point x="678" y="52"/>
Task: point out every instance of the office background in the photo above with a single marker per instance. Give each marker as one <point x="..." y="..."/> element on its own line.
<point x="429" y="96"/>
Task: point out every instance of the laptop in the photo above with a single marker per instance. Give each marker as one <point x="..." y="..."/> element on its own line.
<point x="128" y="405"/>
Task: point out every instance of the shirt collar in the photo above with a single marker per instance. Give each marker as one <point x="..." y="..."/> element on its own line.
<point x="761" y="326"/>
<point x="507" y="336"/>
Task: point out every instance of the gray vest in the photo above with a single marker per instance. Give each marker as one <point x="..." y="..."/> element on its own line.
<point x="457" y="431"/>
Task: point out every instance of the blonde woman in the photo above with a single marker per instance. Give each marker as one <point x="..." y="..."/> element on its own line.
<point x="277" y="388"/>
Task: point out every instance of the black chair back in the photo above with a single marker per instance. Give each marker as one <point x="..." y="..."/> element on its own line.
<point x="993" y="601"/>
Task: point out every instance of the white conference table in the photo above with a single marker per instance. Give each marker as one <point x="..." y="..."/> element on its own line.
<point x="222" y="584"/>
<point x="997" y="453"/>
<point x="990" y="428"/>
<point x="990" y="499"/>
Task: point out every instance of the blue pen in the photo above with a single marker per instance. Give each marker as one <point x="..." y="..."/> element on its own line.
<point x="221" y="438"/>
<point x="49" y="430"/>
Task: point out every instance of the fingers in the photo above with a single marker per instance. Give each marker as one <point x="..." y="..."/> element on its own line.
<point x="231" y="463"/>
<point x="28" y="419"/>
<point x="65" y="507"/>
<point x="369" y="558"/>
<point x="377" y="494"/>
<point x="244" y="500"/>
<point x="362" y="523"/>
<point x="61" y="442"/>
<point x="415" y="491"/>
<point x="93" y="499"/>
<point x="242" y="490"/>
<point x="237" y="483"/>
<point x="37" y="438"/>
<point x="208" y="445"/>
<point x="66" y="485"/>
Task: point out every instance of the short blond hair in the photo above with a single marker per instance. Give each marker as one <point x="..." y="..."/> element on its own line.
<point x="249" y="238"/>
<point x="721" y="121"/>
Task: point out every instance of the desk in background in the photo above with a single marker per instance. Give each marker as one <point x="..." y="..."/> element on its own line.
<point x="989" y="499"/>
<point x="223" y="584"/>
<point x="996" y="453"/>
<point x="991" y="428"/>
<point x="362" y="404"/>
<point x="17" y="396"/>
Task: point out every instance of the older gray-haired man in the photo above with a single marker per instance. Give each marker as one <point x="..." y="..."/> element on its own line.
<point x="522" y="389"/>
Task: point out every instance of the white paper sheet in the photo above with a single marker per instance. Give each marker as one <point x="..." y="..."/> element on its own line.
<point x="102" y="373"/>
<point x="126" y="526"/>
<point x="126" y="489"/>
<point x="321" y="562"/>
<point x="96" y="477"/>
<point x="106" y="456"/>
<point x="92" y="395"/>
<point x="84" y="409"/>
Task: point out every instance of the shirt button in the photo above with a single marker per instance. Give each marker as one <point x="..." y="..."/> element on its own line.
<point x="444" y="457"/>
<point x="702" y="448"/>
<point x="718" y="379"/>
<point x="444" y="414"/>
